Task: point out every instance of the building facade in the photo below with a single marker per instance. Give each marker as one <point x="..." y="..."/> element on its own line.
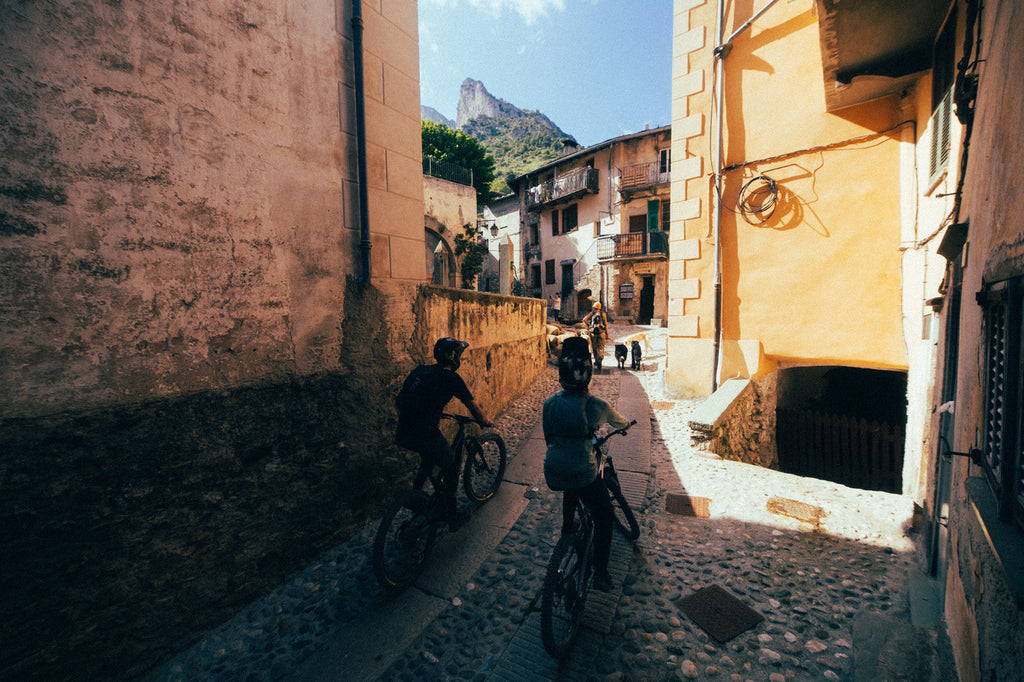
<point x="595" y="227"/>
<point x="213" y="281"/>
<point x="846" y="237"/>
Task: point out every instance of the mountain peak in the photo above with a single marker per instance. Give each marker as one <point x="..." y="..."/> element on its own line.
<point x="476" y="102"/>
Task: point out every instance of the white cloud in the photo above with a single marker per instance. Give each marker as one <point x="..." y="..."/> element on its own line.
<point x="529" y="10"/>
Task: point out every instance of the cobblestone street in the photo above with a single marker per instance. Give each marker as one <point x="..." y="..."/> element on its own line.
<point x="824" y="594"/>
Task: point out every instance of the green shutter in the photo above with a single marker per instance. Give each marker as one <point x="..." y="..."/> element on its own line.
<point x="652" y="215"/>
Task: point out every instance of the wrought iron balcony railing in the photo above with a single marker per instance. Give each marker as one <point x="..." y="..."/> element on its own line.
<point x="641" y="176"/>
<point x="563" y="187"/>
<point x="632" y="245"/>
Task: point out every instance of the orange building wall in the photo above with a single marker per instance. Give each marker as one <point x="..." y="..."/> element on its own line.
<point x="819" y="281"/>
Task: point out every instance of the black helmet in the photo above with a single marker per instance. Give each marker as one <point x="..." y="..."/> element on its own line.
<point x="574" y="364"/>
<point x="448" y="351"/>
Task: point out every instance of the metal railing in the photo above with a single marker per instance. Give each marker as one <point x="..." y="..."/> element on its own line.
<point x="641" y="176"/>
<point x="632" y="245"/>
<point x="563" y="186"/>
<point x="446" y="170"/>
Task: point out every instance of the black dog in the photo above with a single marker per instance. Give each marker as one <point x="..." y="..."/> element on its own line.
<point x="636" y="354"/>
<point x="620" y="355"/>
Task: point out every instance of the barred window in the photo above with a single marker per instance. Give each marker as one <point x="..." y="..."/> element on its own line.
<point x="1003" y="440"/>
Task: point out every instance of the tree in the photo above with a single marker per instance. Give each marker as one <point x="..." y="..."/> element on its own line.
<point x="471" y="252"/>
<point x="447" y="144"/>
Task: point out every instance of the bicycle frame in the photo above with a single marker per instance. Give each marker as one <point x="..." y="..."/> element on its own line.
<point x="427" y="472"/>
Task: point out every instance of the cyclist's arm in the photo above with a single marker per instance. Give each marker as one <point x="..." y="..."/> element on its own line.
<point x="478" y="414"/>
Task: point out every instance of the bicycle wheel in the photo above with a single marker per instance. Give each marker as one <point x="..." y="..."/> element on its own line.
<point x="484" y="467"/>
<point x="403" y="540"/>
<point x="625" y="519"/>
<point x="562" y="602"/>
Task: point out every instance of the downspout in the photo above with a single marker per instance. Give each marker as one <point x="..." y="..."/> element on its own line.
<point x="364" y="213"/>
<point x="720" y="52"/>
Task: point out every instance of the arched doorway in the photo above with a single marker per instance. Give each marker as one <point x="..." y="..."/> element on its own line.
<point x="440" y="259"/>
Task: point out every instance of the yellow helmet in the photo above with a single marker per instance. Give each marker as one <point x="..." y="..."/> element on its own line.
<point x="597" y="306"/>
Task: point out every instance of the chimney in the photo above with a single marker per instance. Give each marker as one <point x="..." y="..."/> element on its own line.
<point x="569" y="146"/>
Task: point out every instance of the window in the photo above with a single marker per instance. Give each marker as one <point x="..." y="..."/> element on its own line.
<point x="549" y="271"/>
<point x="1002" y="445"/>
<point x="942" y="99"/>
<point x="535" y="276"/>
<point x="554" y="223"/>
<point x="665" y="219"/>
<point x="664" y="160"/>
<point x="570" y="219"/>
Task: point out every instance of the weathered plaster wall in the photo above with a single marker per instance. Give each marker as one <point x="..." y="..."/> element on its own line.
<point x="196" y="389"/>
<point x="986" y="624"/>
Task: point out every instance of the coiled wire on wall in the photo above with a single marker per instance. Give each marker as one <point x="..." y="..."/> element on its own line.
<point x="757" y="199"/>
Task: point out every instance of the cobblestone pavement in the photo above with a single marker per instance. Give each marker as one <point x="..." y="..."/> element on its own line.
<point x="821" y="592"/>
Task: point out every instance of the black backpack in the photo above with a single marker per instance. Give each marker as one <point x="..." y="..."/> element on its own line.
<point x="418" y="387"/>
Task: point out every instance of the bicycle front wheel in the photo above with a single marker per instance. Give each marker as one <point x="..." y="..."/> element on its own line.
<point x="484" y="467"/>
<point x="403" y="541"/>
<point x="563" y="597"/>
<point x="625" y="519"/>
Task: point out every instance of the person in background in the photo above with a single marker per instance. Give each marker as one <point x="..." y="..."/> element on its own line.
<point x="597" y="323"/>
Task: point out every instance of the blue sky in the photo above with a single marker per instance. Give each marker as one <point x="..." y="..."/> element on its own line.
<point x="597" y="68"/>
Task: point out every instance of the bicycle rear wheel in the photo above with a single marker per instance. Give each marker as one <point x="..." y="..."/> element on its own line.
<point x="484" y="467"/>
<point x="625" y="519"/>
<point x="403" y="540"/>
<point x="562" y="599"/>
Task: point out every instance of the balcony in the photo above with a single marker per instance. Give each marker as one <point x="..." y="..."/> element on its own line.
<point x="633" y="246"/>
<point x="563" y="188"/>
<point x="640" y="177"/>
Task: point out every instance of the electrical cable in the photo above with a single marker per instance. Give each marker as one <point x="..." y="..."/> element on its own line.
<point x="757" y="199"/>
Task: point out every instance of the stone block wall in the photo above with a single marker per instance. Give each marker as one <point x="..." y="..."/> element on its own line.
<point x="128" y="530"/>
<point x="746" y="432"/>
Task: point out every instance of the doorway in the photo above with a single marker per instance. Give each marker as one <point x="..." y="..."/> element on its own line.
<point x="646" y="310"/>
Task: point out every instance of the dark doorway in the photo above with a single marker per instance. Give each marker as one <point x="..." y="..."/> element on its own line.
<point x="646" y="310"/>
<point x="843" y="424"/>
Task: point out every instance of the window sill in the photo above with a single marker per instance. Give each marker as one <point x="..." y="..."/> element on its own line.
<point x="1004" y="539"/>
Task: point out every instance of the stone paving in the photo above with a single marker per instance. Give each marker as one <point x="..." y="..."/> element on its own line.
<point x="814" y="587"/>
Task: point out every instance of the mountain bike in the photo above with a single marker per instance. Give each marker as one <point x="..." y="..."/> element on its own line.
<point x="408" y="529"/>
<point x="570" y="569"/>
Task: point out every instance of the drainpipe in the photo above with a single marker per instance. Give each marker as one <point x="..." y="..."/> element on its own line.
<point x="720" y="52"/>
<point x="364" y="213"/>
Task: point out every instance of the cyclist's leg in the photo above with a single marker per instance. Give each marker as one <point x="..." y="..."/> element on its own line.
<point x="595" y="496"/>
<point x="441" y="452"/>
<point x="569" y="502"/>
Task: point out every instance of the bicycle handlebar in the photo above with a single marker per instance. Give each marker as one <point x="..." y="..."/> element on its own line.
<point x="622" y="432"/>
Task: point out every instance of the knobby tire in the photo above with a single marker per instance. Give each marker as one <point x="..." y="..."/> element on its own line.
<point x="561" y="609"/>
<point x="403" y="541"/>
<point x="485" y="466"/>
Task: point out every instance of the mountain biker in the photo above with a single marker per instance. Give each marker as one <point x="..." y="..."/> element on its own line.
<point x="570" y="419"/>
<point x="597" y="323"/>
<point x="424" y="395"/>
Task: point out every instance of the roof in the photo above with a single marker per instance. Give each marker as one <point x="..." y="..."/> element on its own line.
<point x="586" y="151"/>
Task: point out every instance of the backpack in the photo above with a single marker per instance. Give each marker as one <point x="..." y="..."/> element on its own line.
<point x="416" y="390"/>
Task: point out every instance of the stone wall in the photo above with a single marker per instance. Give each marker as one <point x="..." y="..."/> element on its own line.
<point x="747" y="431"/>
<point x="129" y="529"/>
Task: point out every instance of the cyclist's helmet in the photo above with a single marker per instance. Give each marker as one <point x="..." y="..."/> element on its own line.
<point x="448" y="351"/>
<point x="597" y="306"/>
<point x="574" y="364"/>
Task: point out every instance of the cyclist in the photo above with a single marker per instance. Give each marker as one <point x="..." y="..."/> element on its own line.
<point x="597" y="323"/>
<point x="424" y="395"/>
<point x="570" y="420"/>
